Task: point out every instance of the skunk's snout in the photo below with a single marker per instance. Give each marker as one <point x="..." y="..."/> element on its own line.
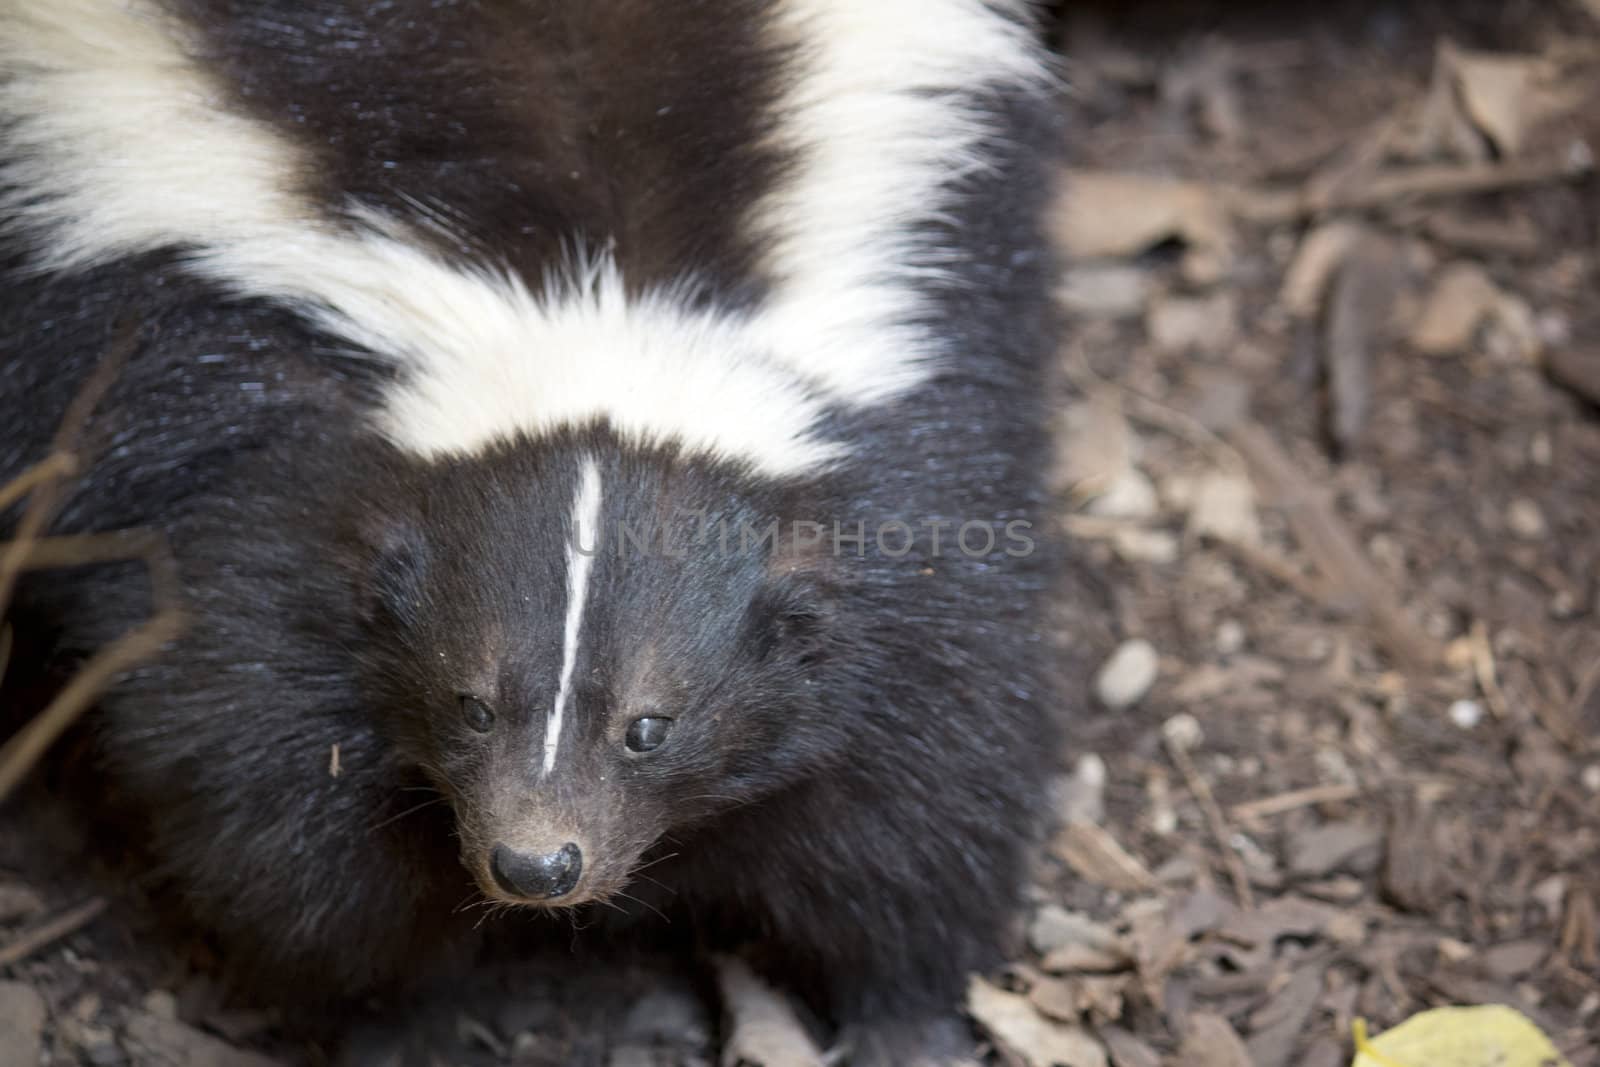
<point x="537" y="877"/>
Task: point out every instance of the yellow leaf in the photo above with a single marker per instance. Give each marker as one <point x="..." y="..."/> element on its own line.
<point x="1487" y="1036"/>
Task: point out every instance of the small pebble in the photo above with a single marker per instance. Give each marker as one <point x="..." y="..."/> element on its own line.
<point x="1591" y="778"/>
<point x="1230" y="636"/>
<point x="1081" y="795"/>
<point x="1466" y="713"/>
<point x="1525" y="519"/>
<point x="1183" y="731"/>
<point x="1163" y="817"/>
<point x="1128" y="675"/>
<point x="1551" y="894"/>
<point x="161" y="1003"/>
<point x="1108" y="292"/>
<point x="1333" y="767"/>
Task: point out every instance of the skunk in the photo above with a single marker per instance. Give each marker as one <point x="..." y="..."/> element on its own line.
<point x="602" y="443"/>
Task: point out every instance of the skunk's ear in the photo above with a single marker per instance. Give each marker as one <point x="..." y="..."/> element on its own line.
<point x="795" y="616"/>
<point x="393" y="571"/>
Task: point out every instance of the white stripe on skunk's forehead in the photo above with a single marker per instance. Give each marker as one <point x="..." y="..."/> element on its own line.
<point x="880" y="118"/>
<point x="583" y="543"/>
<point x="117" y="142"/>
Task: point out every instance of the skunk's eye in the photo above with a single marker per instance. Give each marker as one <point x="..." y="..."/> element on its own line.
<point x="646" y="735"/>
<point x="477" y="714"/>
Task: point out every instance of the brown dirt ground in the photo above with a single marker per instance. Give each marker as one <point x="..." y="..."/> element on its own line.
<point x="1366" y="778"/>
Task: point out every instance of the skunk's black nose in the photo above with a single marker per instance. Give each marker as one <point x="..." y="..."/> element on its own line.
<point x="537" y="877"/>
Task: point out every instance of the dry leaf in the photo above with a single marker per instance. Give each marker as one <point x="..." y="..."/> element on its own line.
<point x="1138" y="545"/>
<point x="1071" y="998"/>
<point x="1319" y="852"/>
<point x="1193" y="324"/>
<point x="1055" y="927"/>
<point x="1098" y="858"/>
<point x="1104" y="214"/>
<point x="1211" y="1042"/>
<point x="1493" y="91"/>
<point x="1014" y="1024"/>
<point x="1318" y="257"/>
<point x="1131" y="496"/>
<point x="1483" y="99"/>
<point x="1441" y="127"/>
<point x="1096" y="446"/>
<point x="1276" y="1026"/>
<point x="1462" y="300"/>
<point x="1576" y="370"/>
<point x="1489" y="1036"/>
<point x="1079" y="958"/>
<point x="1127" y="1050"/>
<point x="1223" y="505"/>
<point x="1500" y="94"/>
<point x="764" y="1030"/>
<point x="1203" y="80"/>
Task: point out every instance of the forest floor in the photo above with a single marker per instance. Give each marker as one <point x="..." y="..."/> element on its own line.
<point x="1330" y="441"/>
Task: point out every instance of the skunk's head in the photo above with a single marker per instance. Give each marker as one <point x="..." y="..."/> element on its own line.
<point x="587" y="648"/>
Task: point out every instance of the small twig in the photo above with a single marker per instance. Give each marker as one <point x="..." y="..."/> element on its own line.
<point x="1337" y="556"/>
<point x="1275" y="566"/>
<point x="76" y="550"/>
<point x="1163" y="416"/>
<point x="46" y="485"/>
<point x="1446" y="180"/>
<point x="1497" y="237"/>
<point x="26" y="746"/>
<point x="55" y="465"/>
<point x="48" y="492"/>
<point x="1274" y="206"/>
<point x="1483" y="667"/>
<point x="1252" y="810"/>
<point x="1217" y="822"/>
<point x="1099" y="527"/>
<point x="50" y="931"/>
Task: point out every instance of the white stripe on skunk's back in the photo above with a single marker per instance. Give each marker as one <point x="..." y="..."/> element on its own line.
<point x="881" y="132"/>
<point x="118" y="142"/>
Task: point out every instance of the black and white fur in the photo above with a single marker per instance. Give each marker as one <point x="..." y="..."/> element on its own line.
<point x="429" y="295"/>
